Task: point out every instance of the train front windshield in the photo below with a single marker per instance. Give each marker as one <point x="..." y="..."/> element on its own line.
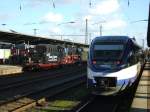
<point x="108" y="51"/>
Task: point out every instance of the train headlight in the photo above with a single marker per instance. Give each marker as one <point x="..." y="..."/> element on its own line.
<point x="102" y="82"/>
<point x="94" y="62"/>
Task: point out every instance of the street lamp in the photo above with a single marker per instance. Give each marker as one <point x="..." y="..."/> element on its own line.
<point x="142" y="20"/>
<point x="100" y="27"/>
<point x="100" y="30"/>
<point x="35" y="31"/>
<point x="142" y="43"/>
<point x="70" y="22"/>
<point x="3" y="24"/>
<point x="86" y="31"/>
<point x="67" y="23"/>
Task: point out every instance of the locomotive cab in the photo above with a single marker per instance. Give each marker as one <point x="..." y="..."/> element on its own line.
<point x="113" y="64"/>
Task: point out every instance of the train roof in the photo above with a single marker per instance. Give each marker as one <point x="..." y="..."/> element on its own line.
<point x="112" y="38"/>
<point x="118" y="39"/>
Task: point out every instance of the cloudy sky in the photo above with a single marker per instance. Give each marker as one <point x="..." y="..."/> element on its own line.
<point x="67" y="17"/>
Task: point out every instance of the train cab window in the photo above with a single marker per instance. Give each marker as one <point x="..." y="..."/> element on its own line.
<point x="133" y="58"/>
<point x="109" y="51"/>
<point x="137" y="56"/>
<point x="130" y="60"/>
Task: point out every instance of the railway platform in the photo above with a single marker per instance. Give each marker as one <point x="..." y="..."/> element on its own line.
<point x="9" y="69"/>
<point x="141" y="101"/>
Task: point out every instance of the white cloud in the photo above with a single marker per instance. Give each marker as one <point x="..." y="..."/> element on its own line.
<point x="55" y="30"/>
<point x="100" y="13"/>
<point x="117" y="23"/>
<point x="63" y="1"/>
<point x="101" y="10"/>
<point x="6" y="16"/>
<point x="35" y="3"/>
<point x="105" y="7"/>
<point x="53" y="17"/>
<point x="89" y="17"/>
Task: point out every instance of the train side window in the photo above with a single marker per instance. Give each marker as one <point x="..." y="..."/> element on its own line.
<point x="131" y="59"/>
<point x="137" y="56"/>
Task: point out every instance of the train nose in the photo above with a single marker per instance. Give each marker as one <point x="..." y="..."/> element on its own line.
<point x="102" y="82"/>
<point x="106" y="81"/>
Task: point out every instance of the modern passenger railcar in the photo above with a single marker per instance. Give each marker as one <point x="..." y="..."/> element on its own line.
<point x="114" y="64"/>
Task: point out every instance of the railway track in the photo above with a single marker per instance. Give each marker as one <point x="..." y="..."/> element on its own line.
<point x="34" y="79"/>
<point x="23" y="88"/>
<point x="100" y="104"/>
<point x="10" y="80"/>
<point x="117" y="103"/>
<point x="32" y="98"/>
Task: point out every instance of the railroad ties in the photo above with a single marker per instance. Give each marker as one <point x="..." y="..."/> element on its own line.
<point x="28" y="92"/>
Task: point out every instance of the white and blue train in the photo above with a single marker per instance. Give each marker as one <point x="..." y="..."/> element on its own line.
<point x="114" y="63"/>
